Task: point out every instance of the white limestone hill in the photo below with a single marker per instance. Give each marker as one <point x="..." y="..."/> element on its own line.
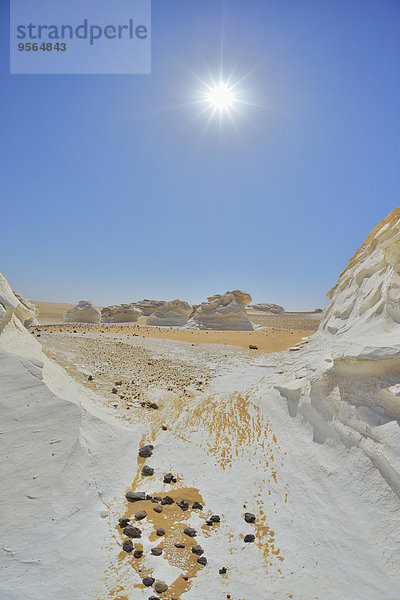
<point x="269" y="308"/>
<point x="173" y="314"/>
<point x="120" y="313"/>
<point x="83" y="312"/>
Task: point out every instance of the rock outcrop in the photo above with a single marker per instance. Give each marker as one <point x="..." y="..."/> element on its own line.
<point x="270" y="308"/>
<point x="223" y="311"/>
<point x="148" y="307"/>
<point x="174" y="314"/>
<point x="30" y="306"/>
<point x="83" y="312"/>
<point x="11" y="306"/>
<point x="120" y="313"/>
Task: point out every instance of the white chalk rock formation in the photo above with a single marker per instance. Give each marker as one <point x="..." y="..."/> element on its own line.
<point x="174" y="314"/>
<point x="365" y="303"/>
<point x="11" y="306"/>
<point x="148" y="307"/>
<point x="270" y="308"/>
<point x="223" y="311"/>
<point x="29" y="306"/>
<point x="120" y="313"/>
<point x="83" y="312"/>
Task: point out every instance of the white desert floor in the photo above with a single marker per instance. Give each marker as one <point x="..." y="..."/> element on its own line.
<point x="327" y="516"/>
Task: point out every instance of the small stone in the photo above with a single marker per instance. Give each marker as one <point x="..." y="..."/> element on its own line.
<point x="249" y="517"/>
<point x="157" y="498"/>
<point x="202" y="561"/>
<point x="160" y="587"/>
<point x="127" y="546"/>
<point x="215" y="519"/>
<point x="190" y="531"/>
<point x="135" y="496"/>
<point x="138" y="553"/>
<point x="147" y="471"/>
<point x="249" y="538"/>
<point x="197" y="550"/>
<point x="153" y="405"/>
<point x="167" y="500"/>
<point x="253" y="347"/>
<point x="156" y="551"/>
<point x="114" y="391"/>
<point x="90" y="378"/>
<point x="140" y="515"/>
<point x="118" y="382"/>
<point x="185" y="578"/>
<point x="164" y="428"/>
<point x="197" y="506"/>
<point x="154" y="598"/>
<point x="179" y="545"/>
<point x="157" y="509"/>
<point x="148" y="581"/>
<point x="223" y="570"/>
<point x="160" y="532"/>
<point x="123" y="522"/>
<point x="132" y="532"/>
<point x="168" y="478"/>
<point x="183" y="504"/>
<point x="146" y="451"/>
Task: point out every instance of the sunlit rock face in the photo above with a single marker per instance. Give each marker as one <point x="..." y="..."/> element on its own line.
<point x="223" y="311"/>
<point x="175" y="313"/>
<point x="366" y="299"/>
<point x="29" y="306"/>
<point x="83" y="312"/>
<point x="11" y="306"/>
<point x="270" y="308"/>
<point x="121" y="313"/>
<point x="148" y="307"/>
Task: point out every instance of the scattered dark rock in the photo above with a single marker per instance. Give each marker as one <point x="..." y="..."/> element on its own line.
<point x="179" y="545"/>
<point x="249" y="538"/>
<point x="149" y="497"/>
<point x="167" y="500"/>
<point x="138" y="553"/>
<point x="157" y="509"/>
<point x="169" y="477"/>
<point x="90" y="378"/>
<point x="183" y="504"/>
<point x="202" y="561"/>
<point x="160" y="587"/>
<point x="140" y="515"/>
<point x="123" y="522"/>
<point x="153" y="405"/>
<point x="156" y="551"/>
<point x="118" y="382"/>
<point x="223" y="570"/>
<point x="146" y="451"/>
<point x="249" y="517"/>
<point x="127" y="546"/>
<point x="147" y="471"/>
<point x="114" y="391"/>
<point x="160" y="532"/>
<point x="214" y="519"/>
<point x="164" y="428"/>
<point x="197" y="506"/>
<point x="135" y="496"/>
<point x="132" y="532"/>
<point x="190" y="531"/>
<point x="157" y="498"/>
<point x="253" y="347"/>
<point x="197" y="550"/>
<point x="148" y="581"/>
<point x="154" y="598"/>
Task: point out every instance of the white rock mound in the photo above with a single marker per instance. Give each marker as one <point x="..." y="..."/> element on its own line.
<point x="148" y="307"/>
<point x="173" y="314"/>
<point x="270" y="308"/>
<point x="83" y="312"/>
<point x="223" y="311"/>
<point x="120" y="313"/>
<point x="29" y="306"/>
<point x="12" y="307"/>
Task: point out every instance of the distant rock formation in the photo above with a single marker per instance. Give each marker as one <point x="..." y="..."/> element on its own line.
<point x="12" y="307"/>
<point x="83" y="312"/>
<point x="175" y="313"/>
<point x="29" y="306"/>
<point x="271" y="308"/>
<point x="148" y="307"/>
<point x="120" y="313"/>
<point x="223" y="311"/>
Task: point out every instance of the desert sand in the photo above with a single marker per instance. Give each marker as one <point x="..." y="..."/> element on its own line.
<point x="140" y="466"/>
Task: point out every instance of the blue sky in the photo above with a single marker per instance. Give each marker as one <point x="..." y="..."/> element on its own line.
<point x="112" y="191"/>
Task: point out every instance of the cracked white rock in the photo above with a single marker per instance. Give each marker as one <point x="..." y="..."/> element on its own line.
<point x="83" y="312"/>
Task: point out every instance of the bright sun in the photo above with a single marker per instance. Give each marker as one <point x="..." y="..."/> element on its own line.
<point x="221" y="96"/>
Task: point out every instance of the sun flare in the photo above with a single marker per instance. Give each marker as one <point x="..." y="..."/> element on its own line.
<point x="221" y="96"/>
